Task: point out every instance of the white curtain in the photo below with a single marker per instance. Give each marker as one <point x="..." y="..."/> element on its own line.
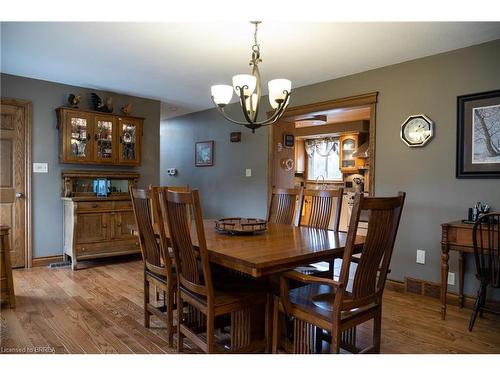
<point x="322" y="146"/>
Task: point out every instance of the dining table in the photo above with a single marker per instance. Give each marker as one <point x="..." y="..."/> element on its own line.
<point x="279" y="248"/>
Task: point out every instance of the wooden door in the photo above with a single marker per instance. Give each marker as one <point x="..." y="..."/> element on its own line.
<point x="15" y="151"/>
<point x="105" y="139"/>
<point x="130" y="130"/>
<point x="122" y="221"/>
<point x="77" y="137"/>
<point x="91" y="227"/>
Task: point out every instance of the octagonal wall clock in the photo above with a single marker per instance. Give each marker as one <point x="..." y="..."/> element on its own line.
<point x="417" y="130"/>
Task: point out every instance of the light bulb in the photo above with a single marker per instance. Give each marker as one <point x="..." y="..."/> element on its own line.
<point x="277" y="88"/>
<point x="222" y="94"/>
<point x="245" y="81"/>
<point x="253" y="105"/>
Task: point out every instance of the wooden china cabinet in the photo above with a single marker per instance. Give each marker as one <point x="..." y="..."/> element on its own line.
<point x="89" y="137"/>
<point x="95" y="226"/>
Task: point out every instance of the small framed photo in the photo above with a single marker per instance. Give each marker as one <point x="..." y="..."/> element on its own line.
<point x="204" y="153"/>
<point x="288" y="140"/>
<point x="478" y="135"/>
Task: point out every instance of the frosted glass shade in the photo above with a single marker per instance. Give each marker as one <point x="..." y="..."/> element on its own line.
<point x="253" y="104"/>
<point x="222" y="94"/>
<point x="276" y="91"/>
<point x="242" y="80"/>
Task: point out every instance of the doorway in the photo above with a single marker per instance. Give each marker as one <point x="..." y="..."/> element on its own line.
<point x="15" y="177"/>
<point x="334" y="119"/>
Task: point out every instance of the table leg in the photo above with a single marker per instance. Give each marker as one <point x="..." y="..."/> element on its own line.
<point x="444" y="278"/>
<point x="461" y="275"/>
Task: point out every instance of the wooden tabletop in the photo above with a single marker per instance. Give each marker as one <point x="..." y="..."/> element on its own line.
<point x="280" y="248"/>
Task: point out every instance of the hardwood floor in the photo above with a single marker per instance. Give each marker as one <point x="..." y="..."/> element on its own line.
<point x="99" y="310"/>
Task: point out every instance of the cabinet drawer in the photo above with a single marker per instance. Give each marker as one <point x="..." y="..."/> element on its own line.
<point x="123" y="205"/>
<point x="107" y="248"/>
<point x="90" y="206"/>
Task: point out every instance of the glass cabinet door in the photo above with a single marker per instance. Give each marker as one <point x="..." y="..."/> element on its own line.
<point x="104" y="139"/>
<point x="130" y="135"/>
<point x="78" y="127"/>
<point x="348" y="147"/>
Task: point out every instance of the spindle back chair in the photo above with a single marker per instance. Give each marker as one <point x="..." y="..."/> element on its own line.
<point x="338" y="306"/>
<point x="158" y="269"/>
<point x="486" y="242"/>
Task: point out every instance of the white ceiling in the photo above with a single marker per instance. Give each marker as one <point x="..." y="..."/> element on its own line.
<point x="178" y="62"/>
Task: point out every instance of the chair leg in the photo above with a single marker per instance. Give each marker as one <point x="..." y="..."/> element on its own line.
<point x="483" y="300"/>
<point x="336" y="340"/>
<point x="170" y="317"/>
<point x="475" y="309"/>
<point x="276" y="326"/>
<point x="180" y="317"/>
<point x="146" y="301"/>
<point x="319" y="340"/>
<point x="210" y="332"/>
<point x="377" y="330"/>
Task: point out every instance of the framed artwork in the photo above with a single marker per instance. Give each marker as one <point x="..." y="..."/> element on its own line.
<point x="204" y="153"/>
<point x="478" y="135"/>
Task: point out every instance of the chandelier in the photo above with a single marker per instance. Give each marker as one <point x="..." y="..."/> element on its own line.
<point x="248" y="87"/>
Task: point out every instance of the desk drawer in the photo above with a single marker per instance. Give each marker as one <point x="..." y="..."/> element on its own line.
<point x="91" y="206"/>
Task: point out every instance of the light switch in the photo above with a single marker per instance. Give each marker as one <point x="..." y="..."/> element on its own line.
<point x="248" y="172"/>
<point x="40" y="168"/>
<point x="420" y="256"/>
<point x="451" y="278"/>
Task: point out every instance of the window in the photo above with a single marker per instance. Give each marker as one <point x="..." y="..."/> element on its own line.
<point x="323" y="159"/>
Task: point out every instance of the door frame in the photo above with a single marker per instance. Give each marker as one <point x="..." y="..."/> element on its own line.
<point x="28" y="239"/>
<point x="368" y="99"/>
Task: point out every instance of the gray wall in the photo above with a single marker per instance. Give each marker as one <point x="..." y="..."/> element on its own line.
<point x="46" y="188"/>
<point x="224" y="189"/>
<point x="429" y="85"/>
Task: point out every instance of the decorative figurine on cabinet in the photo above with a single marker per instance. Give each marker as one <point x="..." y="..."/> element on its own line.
<point x="74" y="100"/>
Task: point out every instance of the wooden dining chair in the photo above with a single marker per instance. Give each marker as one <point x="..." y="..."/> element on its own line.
<point x="204" y="297"/>
<point x="324" y="213"/>
<point x="158" y="269"/>
<point x="155" y="204"/>
<point x="339" y="305"/>
<point x="486" y="242"/>
<point x="282" y="208"/>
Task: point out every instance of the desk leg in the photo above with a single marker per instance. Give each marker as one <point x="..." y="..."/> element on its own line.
<point x="444" y="278"/>
<point x="461" y="271"/>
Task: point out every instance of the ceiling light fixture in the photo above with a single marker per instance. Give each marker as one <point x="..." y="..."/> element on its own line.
<point x="248" y="88"/>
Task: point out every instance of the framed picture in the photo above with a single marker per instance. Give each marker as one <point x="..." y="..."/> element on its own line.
<point x="204" y="153"/>
<point x="478" y="135"/>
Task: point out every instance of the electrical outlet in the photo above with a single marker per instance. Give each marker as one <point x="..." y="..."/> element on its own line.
<point x="248" y="172"/>
<point x="420" y="256"/>
<point x="451" y="278"/>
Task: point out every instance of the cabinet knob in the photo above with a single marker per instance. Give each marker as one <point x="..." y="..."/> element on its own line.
<point x="104" y="225"/>
<point x="119" y="224"/>
<point x="94" y="205"/>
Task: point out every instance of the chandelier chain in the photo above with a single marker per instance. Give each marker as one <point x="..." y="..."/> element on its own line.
<point x="256" y="47"/>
